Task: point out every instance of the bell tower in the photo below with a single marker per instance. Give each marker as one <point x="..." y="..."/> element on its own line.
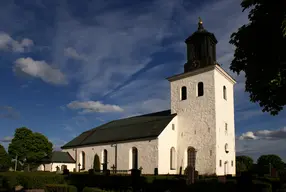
<point x="203" y="99"/>
<point x="201" y="49"/>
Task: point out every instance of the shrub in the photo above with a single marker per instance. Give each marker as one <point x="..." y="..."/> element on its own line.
<point x="66" y="172"/>
<point x="112" y="182"/>
<point x="30" y="180"/>
<point x="275" y="182"/>
<point x="91" y="171"/>
<point x="261" y="186"/>
<point x="60" y="188"/>
<point x="89" y="189"/>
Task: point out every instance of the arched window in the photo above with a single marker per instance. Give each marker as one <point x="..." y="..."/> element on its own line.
<point x="224" y="93"/>
<point x="191" y="161"/>
<point x="183" y="93"/>
<point x="105" y="156"/>
<point x="134" y="158"/>
<point x="226" y="148"/>
<point x="200" y="89"/>
<point x="172" y="158"/>
<point x="82" y="160"/>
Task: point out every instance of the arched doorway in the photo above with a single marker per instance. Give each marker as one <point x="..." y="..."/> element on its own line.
<point x="82" y="160"/>
<point x="191" y="157"/>
<point x="134" y="158"/>
<point x="225" y="167"/>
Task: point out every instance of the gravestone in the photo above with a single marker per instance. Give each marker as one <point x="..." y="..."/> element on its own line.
<point x="181" y="168"/>
<point x="79" y="167"/>
<point x="190" y="173"/>
<point x="113" y="168"/>
<point x="156" y="171"/>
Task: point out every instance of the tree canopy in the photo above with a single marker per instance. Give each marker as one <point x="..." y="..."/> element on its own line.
<point x="274" y="160"/>
<point x="29" y="145"/>
<point x="244" y="163"/>
<point x="5" y="161"/>
<point x="260" y="52"/>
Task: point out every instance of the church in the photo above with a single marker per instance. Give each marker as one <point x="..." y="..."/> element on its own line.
<point x="198" y="130"/>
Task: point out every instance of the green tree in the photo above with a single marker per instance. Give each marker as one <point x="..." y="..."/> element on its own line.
<point x="5" y="160"/>
<point x="275" y="161"/>
<point x="240" y="167"/>
<point x="96" y="163"/>
<point x="30" y="146"/>
<point x="260" y="53"/>
<point x="244" y="163"/>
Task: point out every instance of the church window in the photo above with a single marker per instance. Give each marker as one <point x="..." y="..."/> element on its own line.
<point x="82" y="160"/>
<point x="232" y="163"/>
<point x="183" y="93"/>
<point x="224" y="92"/>
<point x="225" y="127"/>
<point x="173" y="127"/>
<point x="211" y="152"/>
<point x="172" y="158"/>
<point x="134" y="158"/>
<point x="191" y="158"/>
<point x="226" y="148"/>
<point x="220" y="163"/>
<point x="105" y="156"/>
<point x="200" y="89"/>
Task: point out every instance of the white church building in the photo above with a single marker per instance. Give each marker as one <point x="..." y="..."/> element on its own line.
<point x="198" y="130"/>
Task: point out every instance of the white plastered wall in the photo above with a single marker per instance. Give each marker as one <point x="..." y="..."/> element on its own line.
<point x="147" y="155"/>
<point x="196" y="120"/>
<point x="224" y="115"/>
<point x="166" y="140"/>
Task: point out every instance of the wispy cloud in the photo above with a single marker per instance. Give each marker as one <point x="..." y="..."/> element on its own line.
<point x="72" y="53"/>
<point x="57" y="143"/>
<point x="7" y="43"/>
<point x="6" y="139"/>
<point x="93" y="106"/>
<point x="39" y="69"/>
<point x="8" y="112"/>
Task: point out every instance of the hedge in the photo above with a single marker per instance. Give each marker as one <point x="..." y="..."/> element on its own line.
<point x="29" y="180"/>
<point x="60" y="188"/>
<point x="89" y="189"/>
<point x="261" y="186"/>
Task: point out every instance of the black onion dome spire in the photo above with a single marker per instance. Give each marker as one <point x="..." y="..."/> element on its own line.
<point x="201" y="49"/>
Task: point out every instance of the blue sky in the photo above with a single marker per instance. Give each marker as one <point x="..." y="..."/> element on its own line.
<point x="68" y="66"/>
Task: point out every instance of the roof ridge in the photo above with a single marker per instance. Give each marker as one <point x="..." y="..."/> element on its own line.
<point x="161" y="117"/>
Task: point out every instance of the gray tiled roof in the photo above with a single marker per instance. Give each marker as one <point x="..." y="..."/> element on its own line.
<point x="133" y="128"/>
<point x="59" y="157"/>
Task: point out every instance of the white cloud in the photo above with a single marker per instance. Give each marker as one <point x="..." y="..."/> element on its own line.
<point x="6" y="139"/>
<point x="9" y="44"/>
<point x="93" y="106"/>
<point x="247" y="135"/>
<point x="265" y="134"/>
<point x="39" y="69"/>
<point x="72" y="53"/>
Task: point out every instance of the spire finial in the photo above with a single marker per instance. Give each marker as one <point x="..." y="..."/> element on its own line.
<point x="200" y="27"/>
